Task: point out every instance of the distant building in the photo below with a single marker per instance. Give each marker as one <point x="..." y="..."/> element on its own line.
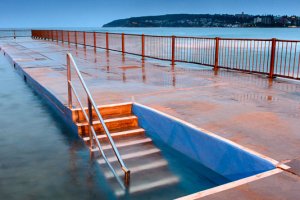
<point x="257" y="20"/>
<point x="267" y="19"/>
<point x="285" y="21"/>
<point x="294" y="20"/>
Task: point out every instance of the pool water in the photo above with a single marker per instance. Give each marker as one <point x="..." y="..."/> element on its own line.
<point x="42" y="159"/>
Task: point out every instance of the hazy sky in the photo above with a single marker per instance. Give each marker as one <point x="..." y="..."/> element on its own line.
<point x="95" y="13"/>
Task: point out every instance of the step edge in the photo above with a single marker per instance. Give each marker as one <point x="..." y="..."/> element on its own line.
<point x="130" y="155"/>
<point x="137" y="130"/>
<point x="105" y="106"/>
<point x="124" y="144"/>
<point x="140" y="168"/>
<point x="148" y="186"/>
<point x="96" y="122"/>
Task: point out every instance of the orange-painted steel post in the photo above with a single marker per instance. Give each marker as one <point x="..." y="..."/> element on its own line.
<point x="69" y="82"/>
<point x="76" y="38"/>
<point x="56" y="36"/>
<point x="173" y="49"/>
<point x="52" y="36"/>
<point x="217" y="40"/>
<point x="143" y="46"/>
<point x="123" y="43"/>
<point x="272" y="62"/>
<point x="68" y="37"/>
<point x="84" y="40"/>
<point x="107" y="41"/>
<point x="95" y="42"/>
<point x="62" y="36"/>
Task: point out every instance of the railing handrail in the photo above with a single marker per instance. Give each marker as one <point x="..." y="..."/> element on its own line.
<point x="91" y="103"/>
<point x="169" y="36"/>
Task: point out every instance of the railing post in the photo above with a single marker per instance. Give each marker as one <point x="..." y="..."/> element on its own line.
<point x="62" y="36"/>
<point x="52" y="35"/>
<point x="76" y="38"/>
<point x="90" y="123"/>
<point x="272" y="61"/>
<point x="123" y="43"/>
<point x="68" y="37"/>
<point x="107" y="41"/>
<point x="143" y="46"/>
<point x="173" y="50"/>
<point x="127" y="178"/>
<point x="217" y="40"/>
<point x="84" y="40"/>
<point x="14" y="34"/>
<point x="95" y="42"/>
<point x="56" y="36"/>
<point x="69" y="80"/>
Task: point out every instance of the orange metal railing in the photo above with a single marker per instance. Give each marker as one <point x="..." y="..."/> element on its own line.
<point x="272" y="57"/>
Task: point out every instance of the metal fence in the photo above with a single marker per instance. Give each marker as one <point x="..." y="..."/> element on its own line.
<point x="272" y="57"/>
<point x="15" y="33"/>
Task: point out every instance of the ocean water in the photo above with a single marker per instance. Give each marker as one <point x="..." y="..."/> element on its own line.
<point x="263" y="33"/>
<point x="280" y="33"/>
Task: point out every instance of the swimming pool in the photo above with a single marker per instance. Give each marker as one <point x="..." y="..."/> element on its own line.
<point x="43" y="158"/>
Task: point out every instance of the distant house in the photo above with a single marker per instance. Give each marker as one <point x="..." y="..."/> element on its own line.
<point x="257" y="20"/>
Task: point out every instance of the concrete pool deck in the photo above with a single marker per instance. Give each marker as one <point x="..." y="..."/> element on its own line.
<point x="248" y="109"/>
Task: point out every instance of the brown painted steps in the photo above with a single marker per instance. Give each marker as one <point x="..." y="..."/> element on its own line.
<point x="107" y="111"/>
<point x="117" y="117"/>
<point x="148" y="168"/>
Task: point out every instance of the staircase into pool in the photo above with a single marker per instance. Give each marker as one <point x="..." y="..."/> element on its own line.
<point x="148" y="168"/>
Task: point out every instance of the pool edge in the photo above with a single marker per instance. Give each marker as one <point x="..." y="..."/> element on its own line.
<point x="279" y="166"/>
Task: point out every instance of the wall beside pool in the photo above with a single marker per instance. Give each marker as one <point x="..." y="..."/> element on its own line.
<point x="218" y="155"/>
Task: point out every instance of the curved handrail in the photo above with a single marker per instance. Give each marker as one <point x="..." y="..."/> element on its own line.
<point x="91" y="103"/>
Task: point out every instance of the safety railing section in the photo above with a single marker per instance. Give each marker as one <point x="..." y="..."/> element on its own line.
<point x="272" y="57"/>
<point x="251" y="55"/>
<point x="7" y="33"/>
<point x="287" y="58"/>
<point x="94" y="141"/>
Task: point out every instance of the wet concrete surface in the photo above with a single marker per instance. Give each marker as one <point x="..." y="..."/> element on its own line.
<point x="251" y="110"/>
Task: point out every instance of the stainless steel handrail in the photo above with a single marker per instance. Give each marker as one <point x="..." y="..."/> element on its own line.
<point x="89" y="119"/>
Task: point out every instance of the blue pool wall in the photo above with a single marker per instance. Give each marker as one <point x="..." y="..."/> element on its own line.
<point x="216" y="154"/>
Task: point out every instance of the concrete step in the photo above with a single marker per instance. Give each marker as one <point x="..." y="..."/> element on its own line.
<point x="112" y="124"/>
<point x="124" y="144"/>
<point x="148" y="170"/>
<point x="146" y="184"/>
<point x="142" y="167"/>
<point x="107" y="111"/>
<point x="120" y="135"/>
<point x="132" y="155"/>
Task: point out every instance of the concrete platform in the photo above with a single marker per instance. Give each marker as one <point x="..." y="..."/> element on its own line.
<point x="248" y="109"/>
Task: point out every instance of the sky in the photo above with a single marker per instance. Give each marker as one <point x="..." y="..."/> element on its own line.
<point x="95" y="13"/>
